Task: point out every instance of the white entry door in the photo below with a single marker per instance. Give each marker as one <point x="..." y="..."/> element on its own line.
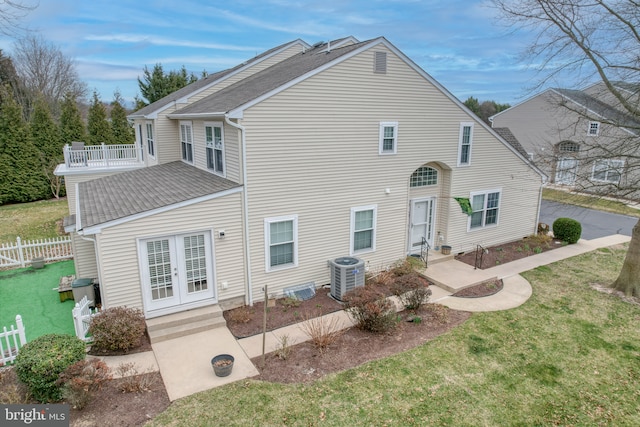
<point x="177" y="270"/>
<point x="566" y="169"/>
<point x="422" y="222"/>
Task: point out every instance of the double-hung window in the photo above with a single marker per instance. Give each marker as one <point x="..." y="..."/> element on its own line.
<point x="607" y="170"/>
<point x="594" y="129"/>
<point x="215" y="147"/>
<point x="388" y="138"/>
<point x="465" y="142"/>
<point x="363" y="229"/>
<point x="150" y="142"/>
<point x="486" y="206"/>
<point x="186" y="141"/>
<point x="281" y="242"/>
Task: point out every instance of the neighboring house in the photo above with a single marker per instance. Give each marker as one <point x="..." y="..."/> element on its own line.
<point x="579" y="137"/>
<point x="261" y="174"/>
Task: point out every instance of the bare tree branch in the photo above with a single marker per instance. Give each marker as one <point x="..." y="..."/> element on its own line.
<point x="11" y="13"/>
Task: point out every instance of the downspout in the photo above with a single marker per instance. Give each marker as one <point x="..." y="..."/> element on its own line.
<point x="245" y="207"/>
<point x="95" y="249"/>
<point x="88" y="239"/>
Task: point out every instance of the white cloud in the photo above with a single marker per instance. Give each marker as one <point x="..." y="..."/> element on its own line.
<point x="164" y="41"/>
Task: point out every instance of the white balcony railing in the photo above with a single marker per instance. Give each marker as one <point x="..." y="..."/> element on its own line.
<point x="101" y="156"/>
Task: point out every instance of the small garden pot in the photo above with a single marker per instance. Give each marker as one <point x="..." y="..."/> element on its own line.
<point x="446" y="250"/>
<point x="222" y="364"/>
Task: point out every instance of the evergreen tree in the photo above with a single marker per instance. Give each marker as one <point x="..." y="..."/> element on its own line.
<point x="71" y="124"/>
<point x="21" y="176"/>
<point x="45" y="136"/>
<point x="97" y="124"/>
<point x="156" y="84"/>
<point x="121" y="131"/>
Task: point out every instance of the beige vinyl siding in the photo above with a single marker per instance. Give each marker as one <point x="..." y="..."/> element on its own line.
<point x="231" y="148"/>
<point x="121" y="283"/>
<point x="84" y="257"/>
<point x="312" y="151"/>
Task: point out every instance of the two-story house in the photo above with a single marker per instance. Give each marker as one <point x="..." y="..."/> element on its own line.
<point x="579" y="138"/>
<point x="261" y="174"/>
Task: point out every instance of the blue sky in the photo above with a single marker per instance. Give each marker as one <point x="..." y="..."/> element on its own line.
<point x="456" y="41"/>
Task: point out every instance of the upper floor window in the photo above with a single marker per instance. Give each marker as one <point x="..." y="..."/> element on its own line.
<point x="186" y="141"/>
<point x="485" y="207"/>
<point x="424" y="176"/>
<point x="594" y="129"/>
<point x="464" y="144"/>
<point x="150" y="144"/>
<point x="388" y="137"/>
<point x="215" y="147"/>
<point x="281" y="242"/>
<point x="606" y="170"/>
<point x="568" y="147"/>
<point x="363" y="229"/>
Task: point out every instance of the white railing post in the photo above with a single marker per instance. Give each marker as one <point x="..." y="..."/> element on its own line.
<point x="20" y="255"/>
<point x="21" y="333"/>
<point x="77" y="321"/>
<point x="65" y="150"/>
<point x="105" y="154"/>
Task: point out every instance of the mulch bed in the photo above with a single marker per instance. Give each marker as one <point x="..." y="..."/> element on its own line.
<point x="507" y="252"/>
<point x="483" y="289"/>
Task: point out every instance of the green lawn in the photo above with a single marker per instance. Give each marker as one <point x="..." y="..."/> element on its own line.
<point x="31" y="294"/>
<point x="569" y="356"/>
<point x="34" y="220"/>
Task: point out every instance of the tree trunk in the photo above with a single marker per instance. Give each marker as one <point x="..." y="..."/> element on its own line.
<point x="629" y="279"/>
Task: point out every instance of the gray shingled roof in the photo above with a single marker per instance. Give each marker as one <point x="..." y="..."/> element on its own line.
<point x="201" y="83"/>
<point x="129" y="193"/>
<point x="602" y="109"/>
<point x="253" y="87"/>
<point x="506" y="134"/>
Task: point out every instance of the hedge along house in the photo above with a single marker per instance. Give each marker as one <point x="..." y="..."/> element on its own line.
<point x="341" y="148"/>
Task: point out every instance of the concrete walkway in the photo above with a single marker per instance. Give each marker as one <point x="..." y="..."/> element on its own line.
<point x="185" y="363"/>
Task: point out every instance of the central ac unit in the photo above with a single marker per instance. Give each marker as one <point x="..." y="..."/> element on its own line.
<point x="347" y="273"/>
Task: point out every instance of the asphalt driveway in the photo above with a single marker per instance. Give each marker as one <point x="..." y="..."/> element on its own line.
<point x="594" y="223"/>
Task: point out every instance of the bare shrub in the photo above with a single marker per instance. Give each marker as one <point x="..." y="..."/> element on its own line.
<point x="411" y="290"/>
<point x="241" y="314"/>
<point x="117" y="329"/>
<point x="132" y="380"/>
<point x="402" y="268"/>
<point x="81" y="379"/>
<point x="438" y="312"/>
<point x="323" y="330"/>
<point x="370" y="309"/>
<point x="12" y="390"/>
<point x="539" y="239"/>
<point x="283" y="349"/>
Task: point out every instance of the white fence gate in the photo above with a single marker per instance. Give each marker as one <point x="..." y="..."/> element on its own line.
<point x="9" y="350"/>
<point x="82" y="315"/>
<point x="19" y="253"/>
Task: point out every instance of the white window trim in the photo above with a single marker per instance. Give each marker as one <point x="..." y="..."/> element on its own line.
<point x="374" y="208"/>
<point x="460" y="136"/>
<point x="152" y="139"/>
<point x="224" y="163"/>
<point x="597" y="130"/>
<point x="267" y="242"/>
<point x="190" y="126"/>
<point x="486" y="193"/>
<point x="381" y="151"/>
<point x="609" y="167"/>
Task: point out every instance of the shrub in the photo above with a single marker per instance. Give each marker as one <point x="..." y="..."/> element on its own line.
<point x="241" y="314"/>
<point x="133" y="380"/>
<point x="323" y="331"/>
<point x="370" y="309"/>
<point x="41" y="361"/>
<point x="81" y="379"/>
<point x="438" y="312"/>
<point x="411" y="290"/>
<point x="402" y="268"/>
<point x="567" y="229"/>
<point x="12" y="391"/>
<point x="284" y="347"/>
<point x="117" y="329"/>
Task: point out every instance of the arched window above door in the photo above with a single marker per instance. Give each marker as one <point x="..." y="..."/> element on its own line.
<point x="424" y="176"/>
<point x="568" y="147"/>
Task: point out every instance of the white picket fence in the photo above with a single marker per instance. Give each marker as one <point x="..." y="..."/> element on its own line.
<point x="11" y="340"/>
<point x="82" y="315"/>
<point x="21" y="253"/>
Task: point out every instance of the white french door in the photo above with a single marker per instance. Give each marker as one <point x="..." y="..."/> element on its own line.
<point x="177" y="271"/>
<point x="566" y="169"/>
<point x="422" y="221"/>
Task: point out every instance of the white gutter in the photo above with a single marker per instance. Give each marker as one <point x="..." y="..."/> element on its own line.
<point x="245" y="207"/>
<point x="98" y="266"/>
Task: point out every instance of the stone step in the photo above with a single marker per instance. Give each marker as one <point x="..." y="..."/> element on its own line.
<point x="448" y="288"/>
<point x="185" y="323"/>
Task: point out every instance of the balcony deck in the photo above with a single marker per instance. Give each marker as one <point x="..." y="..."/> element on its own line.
<point x="94" y="158"/>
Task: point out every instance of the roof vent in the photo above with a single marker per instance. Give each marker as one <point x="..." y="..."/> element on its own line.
<point x="347" y="273"/>
<point x="318" y="44"/>
<point x="380" y="62"/>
